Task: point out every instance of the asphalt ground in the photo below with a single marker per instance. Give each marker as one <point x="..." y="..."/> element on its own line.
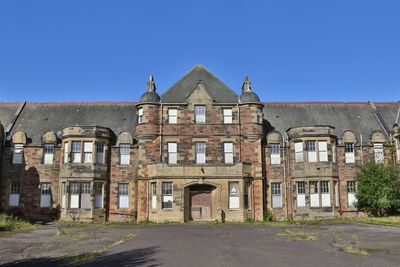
<point x="327" y="244"/>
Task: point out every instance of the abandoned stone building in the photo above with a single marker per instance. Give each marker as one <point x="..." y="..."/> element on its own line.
<point x="198" y="152"/>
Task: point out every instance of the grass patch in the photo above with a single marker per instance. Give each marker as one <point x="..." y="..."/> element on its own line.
<point x="355" y="250"/>
<point x="392" y="220"/>
<point x="301" y="235"/>
<point x="10" y="223"/>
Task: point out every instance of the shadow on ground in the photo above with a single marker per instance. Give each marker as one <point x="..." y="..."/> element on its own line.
<point x="137" y="257"/>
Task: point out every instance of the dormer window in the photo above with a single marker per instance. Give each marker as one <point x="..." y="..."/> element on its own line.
<point x="172" y="116"/>
<point x="18" y="153"/>
<point x="200" y="114"/>
<point x="349" y="153"/>
<point x="378" y="153"/>
<point x="48" y="153"/>
<point x="227" y="112"/>
<point x="275" y="153"/>
<point x="140" y="115"/>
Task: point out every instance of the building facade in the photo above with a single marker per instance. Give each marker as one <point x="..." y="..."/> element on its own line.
<point x="198" y="152"/>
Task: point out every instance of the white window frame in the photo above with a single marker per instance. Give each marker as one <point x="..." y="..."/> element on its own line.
<point x="48" y="153"/>
<point x="86" y="202"/>
<point x="140" y="116"/>
<point x="299" y="152"/>
<point x="301" y="193"/>
<point x="66" y="152"/>
<point x="124" y="154"/>
<point x="167" y="195"/>
<point x="275" y="154"/>
<point x="228" y="153"/>
<point x="123" y="195"/>
<point x="18" y="154"/>
<point x="15" y="191"/>
<point x="200" y="150"/>
<point x="88" y="152"/>
<point x="351" y="193"/>
<point x="76" y="151"/>
<point x="228" y="115"/>
<point x="200" y="112"/>
<point x="234" y="196"/>
<point x="172" y="115"/>
<point x="153" y="189"/>
<point x="98" y="195"/>
<point x="325" y="194"/>
<point x="74" y="195"/>
<point x="349" y="153"/>
<point x="379" y="153"/>
<point x="45" y="194"/>
<point x="398" y="148"/>
<point x="276" y="195"/>
<point x="314" y="194"/>
<point x="323" y="151"/>
<point x="172" y="153"/>
<point x="311" y="147"/>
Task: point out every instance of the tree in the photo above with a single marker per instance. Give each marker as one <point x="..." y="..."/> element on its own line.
<point x="378" y="189"/>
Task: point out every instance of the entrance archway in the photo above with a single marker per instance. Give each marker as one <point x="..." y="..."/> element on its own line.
<point x="199" y="203"/>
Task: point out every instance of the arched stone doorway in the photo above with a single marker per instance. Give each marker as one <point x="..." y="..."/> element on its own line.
<point x="199" y="205"/>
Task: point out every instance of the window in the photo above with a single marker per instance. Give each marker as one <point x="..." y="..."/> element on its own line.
<point x="275" y="153"/>
<point x="247" y="195"/>
<point x="276" y="195"/>
<point x="301" y="194"/>
<point x="153" y="195"/>
<point x="200" y="153"/>
<point x="325" y="195"/>
<point x="398" y="148"/>
<point x="228" y="153"/>
<point x="45" y="195"/>
<point x="124" y="154"/>
<point x="200" y="114"/>
<point x="88" y="152"/>
<point x="167" y="195"/>
<point x="299" y="155"/>
<point x="323" y="150"/>
<point x="18" y="154"/>
<point x="76" y="152"/>
<point x="85" y="196"/>
<point x="172" y="116"/>
<point x="48" y="153"/>
<point x="349" y="153"/>
<point x="140" y="115"/>
<point x="74" y="195"/>
<point x="172" y="153"/>
<point x="100" y="157"/>
<point x="351" y="193"/>
<point x="378" y="153"/>
<point x="98" y="195"/>
<point x="314" y="194"/>
<point x="227" y="112"/>
<point x="311" y="151"/>
<point x="66" y="152"/>
<point x="234" y="202"/>
<point x="123" y="196"/>
<point x="260" y="115"/>
<point x="13" y="200"/>
<point x="63" y="194"/>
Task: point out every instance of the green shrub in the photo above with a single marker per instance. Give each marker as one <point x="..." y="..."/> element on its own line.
<point x="378" y="190"/>
<point x="267" y="216"/>
<point x="10" y="223"/>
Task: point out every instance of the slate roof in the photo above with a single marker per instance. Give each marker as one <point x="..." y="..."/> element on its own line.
<point x="389" y="113"/>
<point x="7" y="111"/>
<point x="38" y="118"/>
<point x="185" y="86"/>
<point x="357" y="117"/>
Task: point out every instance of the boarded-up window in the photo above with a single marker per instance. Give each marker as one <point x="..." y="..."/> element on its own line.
<point x="228" y="153"/>
<point x="172" y="116"/>
<point x="48" y="153"/>
<point x="201" y="153"/>
<point x="301" y="194"/>
<point x="125" y="154"/>
<point x="378" y="153"/>
<point x="66" y="152"/>
<point x="227" y="112"/>
<point x="234" y="202"/>
<point x="325" y="194"/>
<point x="74" y="195"/>
<point x="172" y="153"/>
<point x="314" y="194"/>
<point x="351" y="193"/>
<point x="123" y="196"/>
<point x="88" y="152"/>
<point x="167" y="195"/>
<point x="153" y="195"/>
<point x="13" y="200"/>
<point x="276" y="193"/>
<point x="200" y="114"/>
<point x="323" y="150"/>
<point x="45" y="195"/>
<point x="275" y="153"/>
<point x="311" y="151"/>
<point x="298" y="149"/>
<point x="349" y="153"/>
<point x="18" y="153"/>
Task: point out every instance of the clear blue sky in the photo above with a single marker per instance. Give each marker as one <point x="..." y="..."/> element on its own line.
<point x="309" y="50"/>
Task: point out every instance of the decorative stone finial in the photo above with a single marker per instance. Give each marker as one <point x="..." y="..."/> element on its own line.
<point x="151" y="86"/>
<point x="246" y="87"/>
